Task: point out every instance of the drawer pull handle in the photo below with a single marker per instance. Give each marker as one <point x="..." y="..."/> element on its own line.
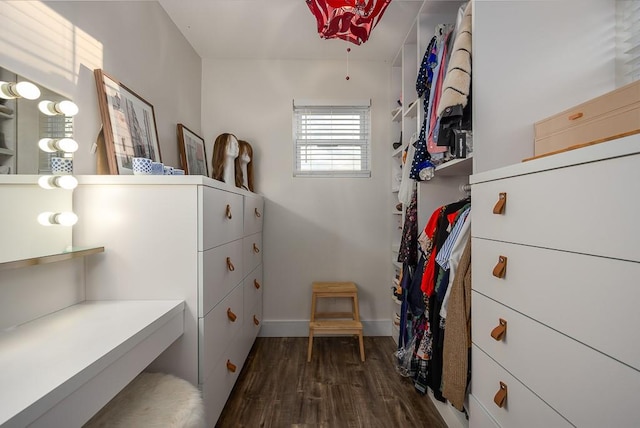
<point x="256" y="284"/>
<point x="256" y="321"/>
<point x="501" y="395"/>
<point x="499" y="332"/>
<point x="231" y="367"/>
<point x="576" y="116"/>
<point x="255" y="248"/>
<point x="230" y="265"/>
<point x="229" y="216"/>
<point x="232" y="317"/>
<point x="501" y="268"/>
<point x="499" y="206"/>
<point x="257" y="213"/>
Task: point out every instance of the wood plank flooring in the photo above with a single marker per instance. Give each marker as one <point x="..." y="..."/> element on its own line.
<point x="277" y="387"/>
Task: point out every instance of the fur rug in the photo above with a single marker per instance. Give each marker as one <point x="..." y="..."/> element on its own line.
<point x="153" y="400"/>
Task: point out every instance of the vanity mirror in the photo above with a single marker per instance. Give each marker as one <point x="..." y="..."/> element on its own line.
<point x="23" y="124"/>
<point x="36" y="126"/>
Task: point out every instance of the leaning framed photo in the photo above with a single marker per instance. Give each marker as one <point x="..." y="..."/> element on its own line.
<point x="192" y="152"/>
<point x="128" y="123"/>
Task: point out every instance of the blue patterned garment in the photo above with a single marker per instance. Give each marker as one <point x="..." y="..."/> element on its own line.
<point x="423" y="88"/>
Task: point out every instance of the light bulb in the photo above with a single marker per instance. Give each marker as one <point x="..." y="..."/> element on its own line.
<point x="66" y="218"/>
<point x="51" y="108"/>
<point x="67" y="182"/>
<point x="25" y="90"/>
<point x="51" y="145"/>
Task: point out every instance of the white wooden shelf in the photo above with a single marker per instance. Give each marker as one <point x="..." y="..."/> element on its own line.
<point x="51" y="258"/>
<point x="397" y="152"/>
<point x="7" y="152"/>
<point x="60" y="369"/>
<point x="412" y="110"/>
<point x="456" y="167"/>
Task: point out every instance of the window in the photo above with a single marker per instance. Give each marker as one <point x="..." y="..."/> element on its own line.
<point x="332" y="141"/>
<point x="628" y="41"/>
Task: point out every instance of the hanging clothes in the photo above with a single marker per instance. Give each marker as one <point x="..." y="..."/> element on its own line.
<point x="408" y="252"/>
<point x="423" y="89"/>
<point x="407" y="185"/>
<point x="457" y="335"/>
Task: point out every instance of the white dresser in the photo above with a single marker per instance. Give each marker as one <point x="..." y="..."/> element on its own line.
<point x="560" y="265"/>
<point x="181" y="237"/>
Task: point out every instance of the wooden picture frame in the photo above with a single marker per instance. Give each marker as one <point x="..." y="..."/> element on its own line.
<point x="192" y="152"/>
<point x="128" y="122"/>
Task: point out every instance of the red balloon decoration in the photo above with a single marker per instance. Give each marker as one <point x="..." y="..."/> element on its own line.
<point x="350" y="20"/>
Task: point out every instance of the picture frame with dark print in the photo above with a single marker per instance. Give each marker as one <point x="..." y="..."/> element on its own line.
<point x="128" y="123"/>
<point x="192" y="152"/>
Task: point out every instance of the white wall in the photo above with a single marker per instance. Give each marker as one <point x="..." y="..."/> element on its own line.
<point x="58" y="44"/>
<point x="315" y="229"/>
<point x="533" y="59"/>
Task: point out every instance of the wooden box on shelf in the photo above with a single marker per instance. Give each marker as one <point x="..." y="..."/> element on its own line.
<point x="612" y="115"/>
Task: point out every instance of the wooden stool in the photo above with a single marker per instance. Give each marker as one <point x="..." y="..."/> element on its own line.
<point x="347" y="323"/>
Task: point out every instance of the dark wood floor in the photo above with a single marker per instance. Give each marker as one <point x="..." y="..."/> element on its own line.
<point x="278" y="388"/>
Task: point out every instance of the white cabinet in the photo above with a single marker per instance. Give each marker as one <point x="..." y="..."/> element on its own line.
<point x="568" y="289"/>
<point x="189" y="238"/>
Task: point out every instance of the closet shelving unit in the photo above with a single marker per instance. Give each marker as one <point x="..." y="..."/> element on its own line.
<point x="445" y="186"/>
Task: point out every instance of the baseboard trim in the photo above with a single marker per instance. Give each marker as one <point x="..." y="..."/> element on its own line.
<point x="301" y="328"/>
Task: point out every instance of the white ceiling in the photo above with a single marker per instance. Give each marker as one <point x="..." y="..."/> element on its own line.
<point x="281" y="29"/>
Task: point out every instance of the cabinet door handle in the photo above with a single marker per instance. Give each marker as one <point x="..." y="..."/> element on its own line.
<point x="257" y="213"/>
<point x="501" y="268"/>
<point x="501" y="396"/>
<point x="498" y="332"/>
<point x="230" y="265"/>
<point x="231" y="367"/>
<point x="500" y="205"/>
<point x="256" y="284"/>
<point x="256" y="321"/>
<point x="576" y="116"/>
<point x="255" y="248"/>
<point x="228" y="212"/>
<point x="232" y="317"/>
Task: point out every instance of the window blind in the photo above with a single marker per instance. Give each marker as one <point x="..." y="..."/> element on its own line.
<point x="332" y="141"/>
<point x="628" y="41"/>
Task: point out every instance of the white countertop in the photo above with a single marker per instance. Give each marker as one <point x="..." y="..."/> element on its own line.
<point x="625" y="146"/>
<point x="45" y="360"/>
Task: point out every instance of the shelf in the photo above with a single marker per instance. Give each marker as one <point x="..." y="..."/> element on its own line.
<point x="7" y="152"/>
<point x="396" y="212"/>
<point x="397" y="152"/>
<point x="412" y="110"/>
<point x="5" y="116"/>
<point x="397" y="116"/>
<point x="52" y="258"/>
<point x="456" y="167"/>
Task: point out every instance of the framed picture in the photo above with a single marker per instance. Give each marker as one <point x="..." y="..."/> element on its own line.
<point x="128" y="123"/>
<point x="192" y="152"/>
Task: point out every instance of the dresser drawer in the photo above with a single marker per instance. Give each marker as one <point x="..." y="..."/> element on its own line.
<point x="251" y="327"/>
<point x="252" y="252"/>
<point x="221" y="270"/>
<point x="253" y="214"/>
<point x="588" y="388"/>
<point x="221" y="218"/>
<point x="521" y="409"/>
<point x="220" y="382"/>
<point x="253" y="288"/>
<point x="479" y="417"/>
<point x="218" y="329"/>
<point x="546" y="284"/>
<point x="585" y="208"/>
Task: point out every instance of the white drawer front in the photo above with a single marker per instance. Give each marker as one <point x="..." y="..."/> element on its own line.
<point x="216" y="388"/>
<point x="221" y="217"/>
<point x="478" y="415"/>
<point x="253" y="214"/>
<point x="547" y="285"/>
<point x="522" y="408"/>
<point x="253" y="288"/>
<point x="251" y="327"/>
<point x="252" y="252"/>
<point x="586" y="208"/>
<point x="218" y="278"/>
<point x="586" y="387"/>
<point x="218" y="330"/>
